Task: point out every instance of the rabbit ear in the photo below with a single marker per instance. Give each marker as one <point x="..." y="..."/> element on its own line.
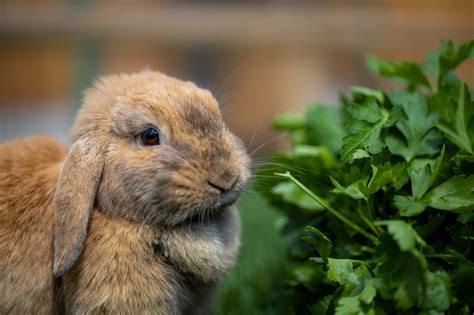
<point x="73" y="202"/>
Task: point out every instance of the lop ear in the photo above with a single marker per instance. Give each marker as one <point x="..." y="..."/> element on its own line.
<point x="73" y="202"/>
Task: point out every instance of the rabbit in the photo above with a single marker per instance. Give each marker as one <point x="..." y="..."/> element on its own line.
<point x="137" y="217"/>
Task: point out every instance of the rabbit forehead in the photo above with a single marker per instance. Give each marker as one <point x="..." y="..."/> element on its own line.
<point x="175" y="109"/>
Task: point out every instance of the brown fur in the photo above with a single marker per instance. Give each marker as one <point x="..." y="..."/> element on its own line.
<point x="137" y="229"/>
<point x="28" y="173"/>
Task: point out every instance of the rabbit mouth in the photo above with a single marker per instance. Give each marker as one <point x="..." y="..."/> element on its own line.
<point x="215" y="209"/>
<point x="227" y="198"/>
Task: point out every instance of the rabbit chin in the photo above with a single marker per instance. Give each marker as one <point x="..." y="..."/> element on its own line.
<point x="215" y="209"/>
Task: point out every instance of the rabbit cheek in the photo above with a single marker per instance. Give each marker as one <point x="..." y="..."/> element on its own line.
<point x="241" y="158"/>
<point x="133" y="186"/>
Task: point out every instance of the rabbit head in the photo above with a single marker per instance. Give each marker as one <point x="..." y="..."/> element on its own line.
<point x="148" y="148"/>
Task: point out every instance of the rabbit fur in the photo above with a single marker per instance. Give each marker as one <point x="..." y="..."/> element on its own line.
<point x="114" y="226"/>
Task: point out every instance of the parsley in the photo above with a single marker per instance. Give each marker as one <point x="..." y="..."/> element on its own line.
<point x="378" y="195"/>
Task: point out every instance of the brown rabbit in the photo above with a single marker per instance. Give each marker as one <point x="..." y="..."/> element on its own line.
<point x="138" y="216"/>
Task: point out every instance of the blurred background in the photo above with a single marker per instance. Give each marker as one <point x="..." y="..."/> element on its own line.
<point x="260" y="58"/>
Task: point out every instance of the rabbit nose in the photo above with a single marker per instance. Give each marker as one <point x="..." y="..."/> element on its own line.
<point x="223" y="185"/>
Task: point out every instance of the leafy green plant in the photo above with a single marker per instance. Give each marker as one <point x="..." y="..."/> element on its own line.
<point x="378" y="195"/>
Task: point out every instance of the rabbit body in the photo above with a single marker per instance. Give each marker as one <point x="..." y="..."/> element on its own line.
<point x="81" y="231"/>
<point x="28" y="174"/>
<point x="119" y="271"/>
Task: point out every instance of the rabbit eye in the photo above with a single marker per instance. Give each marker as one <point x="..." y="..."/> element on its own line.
<point x="151" y="136"/>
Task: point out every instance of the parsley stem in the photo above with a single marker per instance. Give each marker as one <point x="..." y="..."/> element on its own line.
<point x="369" y="224"/>
<point x="328" y="207"/>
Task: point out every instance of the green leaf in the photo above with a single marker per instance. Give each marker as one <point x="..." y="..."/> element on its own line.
<point x="404" y="72"/>
<point x="403" y="272"/>
<point x="306" y="274"/>
<point x="321" y="152"/>
<point x="369" y="292"/>
<point x="289" y="121"/>
<point x="404" y="301"/>
<point x="451" y="57"/>
<point x="457" y="193"/>
<point x="464" y="282"/>
<point x="298" y="137"/>
<point x="423" y="173"/>
<point x="321" y="306"/>
<point x="369" y="111"/>
<point x="360" y="154"/>
<point x="466" y="217"/>
<point x="382" y="176"/>
<point x="442" y="63"/>
<point x="291" y="193"/>
<point x="357" y="91"/>
<point x="416" y="128"/>
<point x="363" y="188"/>
<point x="458" y="130"/>
<point x="420" y="174"/>
<point x="352" y="190"/>
<point x="322" y="244"/>
<point x="324" y="127"/>
<point x="396" y="113"/>
<point x="405" y="236"/>
<point x="364" y="132"/>
<point x="407" y="206"/>
<point x="443" y="104"/>
<point x="361" y="295"/>
<point x="341" y="271"/>
<point x="348" y="305"/>
<point x="438" y="291"/>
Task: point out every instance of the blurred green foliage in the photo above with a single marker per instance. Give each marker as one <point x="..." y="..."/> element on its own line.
<point x="249" y="288"/>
